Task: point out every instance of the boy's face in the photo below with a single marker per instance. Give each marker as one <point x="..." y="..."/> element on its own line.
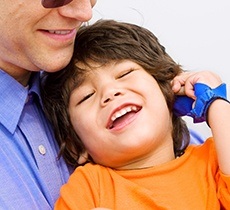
<point x="34" y="38"/>
<point x="121" y="115"/>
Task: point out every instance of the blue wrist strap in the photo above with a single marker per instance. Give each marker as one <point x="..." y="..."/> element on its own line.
<point x="183" y="105"/>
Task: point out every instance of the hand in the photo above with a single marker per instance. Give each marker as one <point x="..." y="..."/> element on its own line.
<point x="183" y="84"/>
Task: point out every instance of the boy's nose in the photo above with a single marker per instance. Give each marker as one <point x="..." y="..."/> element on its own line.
<point x="109" y="96"/>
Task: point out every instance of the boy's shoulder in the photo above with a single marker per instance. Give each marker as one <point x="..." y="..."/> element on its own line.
<point x="205" y="151"/>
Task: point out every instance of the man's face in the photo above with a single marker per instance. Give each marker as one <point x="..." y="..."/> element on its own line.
<point x="35" y="38"/>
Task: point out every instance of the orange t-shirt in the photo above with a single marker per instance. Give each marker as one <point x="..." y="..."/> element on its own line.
<point x="191" y="182"/>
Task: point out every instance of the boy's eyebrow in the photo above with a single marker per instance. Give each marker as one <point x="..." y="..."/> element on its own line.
<point x="81" y="77"/>
<point x="76" y="82"/>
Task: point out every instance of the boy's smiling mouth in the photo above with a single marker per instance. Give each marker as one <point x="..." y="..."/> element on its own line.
<point x="122" y="116"/>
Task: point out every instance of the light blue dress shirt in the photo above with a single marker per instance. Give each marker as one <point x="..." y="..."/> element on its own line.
<point x="196" y="138"/>
<point x="30" y="173"/>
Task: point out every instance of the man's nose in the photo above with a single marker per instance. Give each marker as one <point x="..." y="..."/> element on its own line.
<point x="80" y="10"/>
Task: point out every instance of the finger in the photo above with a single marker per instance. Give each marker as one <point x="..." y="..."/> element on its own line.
<point x="189" y="89"/>
<point x="83" y="158"/>
<point x="176" y="86"/>
<point x="180" y="91"/>
<point x="179" y="81"/>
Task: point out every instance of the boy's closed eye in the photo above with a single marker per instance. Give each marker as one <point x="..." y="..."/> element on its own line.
<point x="125" y="73"/>
<point x="85" y="98"/>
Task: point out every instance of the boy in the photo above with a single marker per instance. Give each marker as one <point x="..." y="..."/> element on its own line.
<point x="113" y="105"/>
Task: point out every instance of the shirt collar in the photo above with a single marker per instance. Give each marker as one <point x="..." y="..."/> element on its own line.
<point x="35" y="86"/>
<point x="13" y="97"/>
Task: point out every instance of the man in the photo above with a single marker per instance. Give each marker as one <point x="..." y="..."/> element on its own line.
<point x="35" y="35"/>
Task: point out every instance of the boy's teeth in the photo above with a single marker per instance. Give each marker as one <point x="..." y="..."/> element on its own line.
<point x="123" y="112"/>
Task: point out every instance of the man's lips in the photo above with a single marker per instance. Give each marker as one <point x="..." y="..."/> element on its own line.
<point x="120" y="114"/>
<point x="59" y="34"/>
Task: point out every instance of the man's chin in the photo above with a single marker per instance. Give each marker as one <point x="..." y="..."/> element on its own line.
<point x="54" y="66"/>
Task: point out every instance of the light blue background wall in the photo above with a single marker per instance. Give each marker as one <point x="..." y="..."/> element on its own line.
<point x="196" y="33"/>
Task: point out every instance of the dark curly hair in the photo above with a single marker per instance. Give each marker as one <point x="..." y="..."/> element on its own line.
<point x="103" y="42"/>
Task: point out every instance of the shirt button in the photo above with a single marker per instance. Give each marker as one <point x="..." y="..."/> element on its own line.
<point x="42" y="149"/>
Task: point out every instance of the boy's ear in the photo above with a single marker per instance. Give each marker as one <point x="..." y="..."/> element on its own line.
<point x="83" y="158"/>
